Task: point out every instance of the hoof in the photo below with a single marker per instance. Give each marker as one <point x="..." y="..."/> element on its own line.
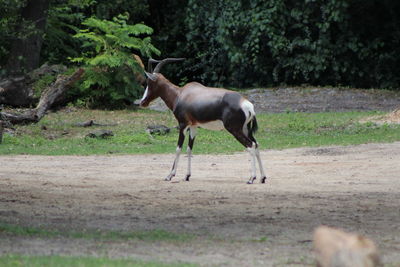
<point x="168" y="178"/>
<point x="251" y="181"/>
<point x="263" y="180"/>
<point x="187" y="178"/>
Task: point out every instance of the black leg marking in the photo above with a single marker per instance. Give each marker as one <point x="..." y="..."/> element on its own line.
<point x="192" y="135"/>
<point x="241" y="137"/>
<point x="251" y="180"/>
<point x="191" y="142"/>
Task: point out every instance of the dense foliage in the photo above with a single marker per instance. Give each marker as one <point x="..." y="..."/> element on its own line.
<point x="111" y="68"/>
<point x="9" y="20"/>
<point x="232" y="43"/>
<point x="253" y="43"/>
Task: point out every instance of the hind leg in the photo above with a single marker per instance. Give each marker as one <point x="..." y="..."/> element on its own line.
<point x="263" y="176"/>
<point x="250" y="146"/>
<point x="257" y="154"/>
<point x="253" y="155"/>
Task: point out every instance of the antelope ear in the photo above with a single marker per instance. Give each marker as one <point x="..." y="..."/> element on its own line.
<point x="151" y="76"/>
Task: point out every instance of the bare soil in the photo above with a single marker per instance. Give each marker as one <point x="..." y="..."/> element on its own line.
<point x="317" y="99"/>
<point x="356" y="188"/>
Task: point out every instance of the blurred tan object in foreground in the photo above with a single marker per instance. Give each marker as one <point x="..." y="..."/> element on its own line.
<point x="335" y="248"/>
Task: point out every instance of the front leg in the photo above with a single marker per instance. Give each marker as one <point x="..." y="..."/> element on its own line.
<point x="192" y="135"/>
<point x="177" y="154"/>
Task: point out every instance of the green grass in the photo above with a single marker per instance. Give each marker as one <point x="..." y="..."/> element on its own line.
<point x="151" y="235"/>
<point x="56" y="133"/>
<point x="61" y="261"/>
<point x="97" y="235"/>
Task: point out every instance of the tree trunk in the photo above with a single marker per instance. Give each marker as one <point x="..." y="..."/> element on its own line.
<point x="1" y="131"/>
<point x="25" y="50"/>
<point x="16" y="91"/>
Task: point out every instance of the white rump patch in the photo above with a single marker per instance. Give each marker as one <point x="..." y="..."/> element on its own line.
<point x="248" y="109"/>
<point x="212" y="125"/>
<point x="249" y="112"/>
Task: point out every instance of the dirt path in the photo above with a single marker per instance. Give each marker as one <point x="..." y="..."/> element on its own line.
<point x="356" y="188"/>
<point x="316" y="99"/>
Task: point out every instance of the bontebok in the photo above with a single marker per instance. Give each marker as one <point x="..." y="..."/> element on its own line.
<point x="195" y="105"/>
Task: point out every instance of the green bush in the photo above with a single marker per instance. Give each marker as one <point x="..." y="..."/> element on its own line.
<point x="107" y="55"/>
<point x="226" y="42"/>
<point x="320" y="42"/>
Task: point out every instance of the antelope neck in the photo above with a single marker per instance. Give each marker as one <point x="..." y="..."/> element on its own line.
<point x="170" y="94"/>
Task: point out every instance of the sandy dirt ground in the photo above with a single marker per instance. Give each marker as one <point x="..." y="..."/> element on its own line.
<point x="356" y="188"/>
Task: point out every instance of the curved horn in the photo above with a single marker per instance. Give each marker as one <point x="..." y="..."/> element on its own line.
<point x="150" y="64"/>
<point x="164" y="61"/>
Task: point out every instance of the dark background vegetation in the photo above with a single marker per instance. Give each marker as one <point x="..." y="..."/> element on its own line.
<point x="229" y="43"/>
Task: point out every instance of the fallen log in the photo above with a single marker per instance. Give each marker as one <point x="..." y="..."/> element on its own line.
<point x="17" y="91"/>
<point x="49" y="96"/>
<point x="90" y="123"/>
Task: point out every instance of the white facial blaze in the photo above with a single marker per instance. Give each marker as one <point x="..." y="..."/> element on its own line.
<point x="145" y="94"/>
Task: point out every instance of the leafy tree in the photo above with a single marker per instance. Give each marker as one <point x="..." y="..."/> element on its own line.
<point x="108" y="48"/>
<point x="29" y="25"/>
<point x="226" y="42"/>
<point x="9" y="17"/>
<point x="167" y="18"/>
<point x="321" y="42"/>
<point x="105" y="9"/>
<point x="64" y="19"/>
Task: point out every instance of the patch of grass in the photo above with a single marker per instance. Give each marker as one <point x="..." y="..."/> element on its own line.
<point x="262" y="239"/>
<point x="57" y="133"/>
<point x="42" y="83"/>
<point x="152" y="235"/>
<point x="25" y="231"/>
<point x="43" y="261"/>
<point x="300" y="261"/>
<point x="321" y="129"/>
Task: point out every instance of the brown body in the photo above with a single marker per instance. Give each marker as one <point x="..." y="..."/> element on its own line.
<point x="195" y="105"/>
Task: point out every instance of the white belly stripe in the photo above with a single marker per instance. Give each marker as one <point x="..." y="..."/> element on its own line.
<point x="212" y="125"/>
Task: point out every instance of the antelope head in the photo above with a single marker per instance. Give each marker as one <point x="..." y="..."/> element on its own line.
<point x="155" y="80"/>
